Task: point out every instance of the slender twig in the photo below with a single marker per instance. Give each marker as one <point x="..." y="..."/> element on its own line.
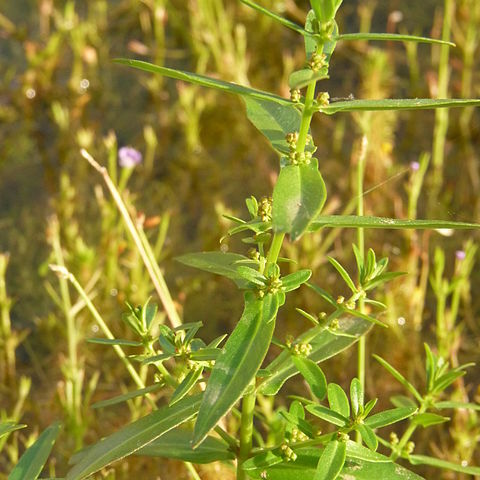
<point x="141" y="244"/>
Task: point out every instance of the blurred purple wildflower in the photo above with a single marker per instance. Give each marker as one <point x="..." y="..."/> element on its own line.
<point x="128" y="157"/>
<point x="415" y="166"/>
<point x="460" y="255"/>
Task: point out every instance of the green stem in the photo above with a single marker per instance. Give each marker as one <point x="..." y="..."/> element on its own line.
<point x="248" y="403"/>
<point x="246" y="431"/>
<point x="441" y="115"/>
<point x="362" y="342"/>
<point x="407" y="435"/>
<point x="307" y="115"/>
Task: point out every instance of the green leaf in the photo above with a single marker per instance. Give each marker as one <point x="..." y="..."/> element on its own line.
<point x="325" y="344"/>
<point x="395" y="37"/>
<point x="368" y="436"/>
<point x="353" y="221"/>
<point x="446" y="380"/>
<point x="311" y="27"/>
<point x="343" y="273"/>
<point x="128" y="396"/>
<point x="298" y="197"/>
<point x="205" y="354"/>
<point x="186" y="385"/>
<point x="176" y="444"/>
<point x="203" y="80"/>
<point x="216" y="262"/>
<point x="399" y="377"/>
<point x="313" y="375"/>
<point x="357" y="451"/>
<point x="436" y="462"/>
<point x="294" y="280"/>
<point x="236" y="366"/>
<point x="396" y="104"/>
<point x="356" y="396"/>
<point x="251" y="275"/>
<point x="387" y="417"/>
<point x="305" y="467"/>
<point x="331" y="461"/>
<point x="8" y="427"/>
<point x="262" y="461"/>
<point x="428" y="419"/>
<point x="134" y="436"/>
<point x="31" y="463"/>
<point x="115" y="341"/>
<point x="305" y="76"/>
<point x="274" y="121"/>
<point x="327" y="414"/>
<point x="338" y="400"/>
<point x="456" y="405"/>
<point x="299" y="423"/>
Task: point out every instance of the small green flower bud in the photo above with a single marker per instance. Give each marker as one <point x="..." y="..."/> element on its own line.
<point x="350" y="305"/>
<point x="410" y="447"/>
<point x="340" y="299"/>
<point x="292" y="138"/>
<point x="323" y="99"/>
<point x="394" y="438"/>
<point x="317" y="61"/>
<point x="295" y="95"/>
<point x="334" y="325"/>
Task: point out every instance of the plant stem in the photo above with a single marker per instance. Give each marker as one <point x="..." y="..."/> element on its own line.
<point x="246" y="430"/>
<point x="407" y="435"/>
<point x="306" y="117"/>
<point x="275" y="247"/>
<point x="362" y="342"/>
<point x="150" y="263"/>
<point x="441" y="115"/>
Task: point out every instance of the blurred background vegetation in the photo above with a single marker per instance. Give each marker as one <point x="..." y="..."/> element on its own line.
<point x="60" y="92"/>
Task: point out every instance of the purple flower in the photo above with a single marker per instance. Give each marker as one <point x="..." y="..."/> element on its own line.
<point x="128" y="157"/>
<point x="415" y="166"/>
<point x="460" y="255"/>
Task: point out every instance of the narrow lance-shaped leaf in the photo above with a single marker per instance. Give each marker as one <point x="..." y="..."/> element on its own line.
<point x="186" y="385"/>
<point x="177" y="444"/>
<point x="331" y="461"/>
<point x="313" y="375"/>
<point x="8" y="427"/>
<point x="395" y="37"/>
<point x="224" y="264"/>
<point x="353" y="221"/>
<point x="203" y="80"/>
<point x="236" y="366"/>
<point x="298" y="197"/>
<point x="388" y="417"/>
<point x="368" y="436"/>
<point x="396" y="104"/>
<point x="128" y="396"/>
<point x="131" y="438"/>
<point x="443" y="464"/>
<point x="31" y="463"/>
<point x="399" y="377"/>
<point x="338" y="400"/>
<point x="356" y="396"/>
